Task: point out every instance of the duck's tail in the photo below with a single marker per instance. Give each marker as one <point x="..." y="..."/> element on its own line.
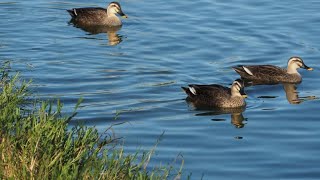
<point x="72" y="12"/>
<point x="238" y="69"/>
<point x="189" y="91"/>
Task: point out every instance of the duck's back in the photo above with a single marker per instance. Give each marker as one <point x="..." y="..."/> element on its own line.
<point x="267" y="73"/>
<point x="211" y="95"/>
<point x="92" y="16"/>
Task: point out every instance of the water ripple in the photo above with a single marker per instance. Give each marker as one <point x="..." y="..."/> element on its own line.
<point x="134" y="75"/>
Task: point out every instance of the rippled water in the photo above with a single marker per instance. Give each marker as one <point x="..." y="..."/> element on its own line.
<point x="135" y="73"/>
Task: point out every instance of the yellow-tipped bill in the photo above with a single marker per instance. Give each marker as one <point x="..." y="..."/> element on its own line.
<point x="310" y="69"/>
<point x="244" y="95"/>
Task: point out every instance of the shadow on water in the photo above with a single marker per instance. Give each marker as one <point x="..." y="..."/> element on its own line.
<point x="236" y="117"/>
<point x="290" y="89"/>
<point x="113" y="37"/>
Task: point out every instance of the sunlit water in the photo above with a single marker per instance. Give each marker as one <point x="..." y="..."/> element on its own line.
<point x="135" y="74"/>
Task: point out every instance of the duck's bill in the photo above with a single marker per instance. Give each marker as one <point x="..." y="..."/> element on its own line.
<point x="309" y="69"/>
<point x="244" y="95"/>
<point x="122" y="14"/>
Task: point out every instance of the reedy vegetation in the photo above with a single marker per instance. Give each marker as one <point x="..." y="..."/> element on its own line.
<point x="37" y="142"/>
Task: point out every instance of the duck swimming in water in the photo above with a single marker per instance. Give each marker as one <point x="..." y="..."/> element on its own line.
<point x="215" y="95"/>
<point x="273" y="74"/>
<point x="96" y="16"/>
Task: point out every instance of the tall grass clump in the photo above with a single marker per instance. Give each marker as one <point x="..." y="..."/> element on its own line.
<point x="36" y="142"/>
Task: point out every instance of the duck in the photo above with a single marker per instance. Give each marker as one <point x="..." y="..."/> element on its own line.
<point x="215" y="95"/>
<point x="96" y="16"/>
<point x="274" y="74"/>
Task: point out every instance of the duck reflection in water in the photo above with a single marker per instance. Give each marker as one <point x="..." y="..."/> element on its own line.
<point x="292" y="94"/>
<point x="111" y="31"/>
<point x="237" y="118"/>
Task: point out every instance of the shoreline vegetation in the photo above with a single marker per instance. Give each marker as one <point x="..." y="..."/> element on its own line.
<point x="37" y="142"/>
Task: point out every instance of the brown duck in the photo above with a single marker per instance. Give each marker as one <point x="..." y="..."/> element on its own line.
<point x="273" y="74"/>
<point x="96" y="16"/>
<point x="215" y="95"/>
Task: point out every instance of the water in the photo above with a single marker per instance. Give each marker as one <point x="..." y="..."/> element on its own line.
<point x="135" y="73"/>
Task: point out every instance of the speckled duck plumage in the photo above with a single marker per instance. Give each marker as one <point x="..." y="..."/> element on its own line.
<point x="215" y="95"/>
<point x="96" y="16"/>
<point x="273" y="74"/>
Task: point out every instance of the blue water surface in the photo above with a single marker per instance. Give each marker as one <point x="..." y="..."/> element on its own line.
<point x="135" y="74"/>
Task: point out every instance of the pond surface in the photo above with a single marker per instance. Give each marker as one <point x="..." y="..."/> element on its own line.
<point x="135" y="74"/>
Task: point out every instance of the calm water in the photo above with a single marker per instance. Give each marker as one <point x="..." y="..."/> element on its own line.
<point x="137" y="72"/>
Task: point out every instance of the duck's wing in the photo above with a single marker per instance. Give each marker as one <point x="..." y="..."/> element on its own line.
<point x="204" y="92"/>
<point x="89" y="12"/>
<point x="259" y="72"/>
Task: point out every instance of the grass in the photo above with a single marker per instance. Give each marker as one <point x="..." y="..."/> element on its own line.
<point x="36" y="142"/>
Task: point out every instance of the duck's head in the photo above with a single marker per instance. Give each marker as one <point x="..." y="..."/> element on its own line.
<point x="296" y="62"/>
<point x="115" y="8"/>
<point x="237" y="88"/>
